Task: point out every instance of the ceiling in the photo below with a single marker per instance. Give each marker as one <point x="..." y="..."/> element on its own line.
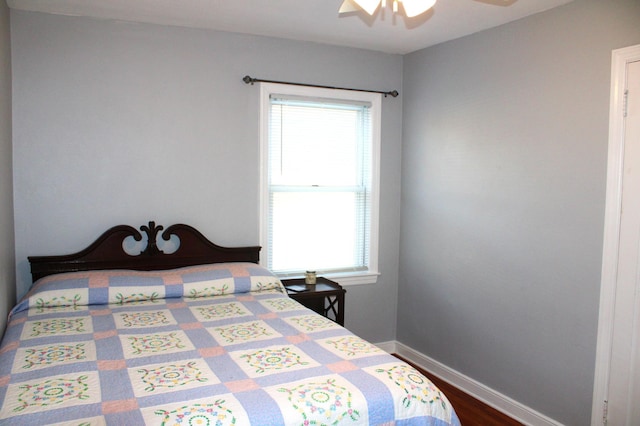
<point x="308" y="20"/>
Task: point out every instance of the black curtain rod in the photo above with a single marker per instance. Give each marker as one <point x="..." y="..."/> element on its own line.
<point x="250" y="80"/>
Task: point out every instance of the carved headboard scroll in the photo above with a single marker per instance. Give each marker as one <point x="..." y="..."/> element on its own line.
<point x="107" y="252"/>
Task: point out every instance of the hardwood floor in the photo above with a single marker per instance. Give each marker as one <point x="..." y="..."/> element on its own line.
<point x="471" y="412"/>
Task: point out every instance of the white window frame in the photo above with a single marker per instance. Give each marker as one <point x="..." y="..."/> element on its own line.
<point x="369" y="276"/>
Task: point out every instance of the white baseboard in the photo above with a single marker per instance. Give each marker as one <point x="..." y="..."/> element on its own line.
<point x="492" y="398"/>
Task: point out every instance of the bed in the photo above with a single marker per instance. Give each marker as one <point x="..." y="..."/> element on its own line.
<point x="195" y="335"/>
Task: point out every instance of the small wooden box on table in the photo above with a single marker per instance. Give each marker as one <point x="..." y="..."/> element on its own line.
<point x="326" y="297"/>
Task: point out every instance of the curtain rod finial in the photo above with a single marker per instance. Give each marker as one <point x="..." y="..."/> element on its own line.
<point x="248" y="80"/>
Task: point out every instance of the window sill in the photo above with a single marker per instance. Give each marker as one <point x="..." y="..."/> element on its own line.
<point x="345" y="278"/>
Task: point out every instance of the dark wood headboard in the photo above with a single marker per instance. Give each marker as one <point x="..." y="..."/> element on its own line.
<point x="107" y="252"/>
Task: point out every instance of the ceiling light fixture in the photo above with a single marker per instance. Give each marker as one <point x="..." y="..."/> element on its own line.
<point x="411" y="7"/>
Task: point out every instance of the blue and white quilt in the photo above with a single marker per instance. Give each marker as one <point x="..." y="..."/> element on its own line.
<point x="207" y="345"/>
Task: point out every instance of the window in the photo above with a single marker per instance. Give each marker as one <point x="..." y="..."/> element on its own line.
<point x="319" y="182"/>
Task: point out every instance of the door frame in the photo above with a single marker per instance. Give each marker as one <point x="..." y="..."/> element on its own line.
<point x="610" y="251"/>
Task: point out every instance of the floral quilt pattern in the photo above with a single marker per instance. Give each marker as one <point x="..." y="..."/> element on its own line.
<point x="38" y="357"/>
<point x="205" y="345"/>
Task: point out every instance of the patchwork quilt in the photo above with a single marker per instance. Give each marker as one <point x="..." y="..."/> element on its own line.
<point x="207" y="345"/>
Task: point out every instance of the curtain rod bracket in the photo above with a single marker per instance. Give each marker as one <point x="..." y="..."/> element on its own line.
<point x="249" y="80"/>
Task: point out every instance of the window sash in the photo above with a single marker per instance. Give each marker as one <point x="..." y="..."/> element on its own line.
<point x="321" y="239"/>
<point x="361" y="188"/>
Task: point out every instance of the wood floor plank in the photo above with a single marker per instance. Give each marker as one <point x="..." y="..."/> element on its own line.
<point x="471" y="411"/>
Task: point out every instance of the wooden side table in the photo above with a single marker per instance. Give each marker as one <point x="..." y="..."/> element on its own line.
<point x="326" y="297"/>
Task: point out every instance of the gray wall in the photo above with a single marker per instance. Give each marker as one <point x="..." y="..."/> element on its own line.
<point x="123" y="123"/>
<point x="7" y="253"/>
<point x="504" y="167"/>
<point x="503" y="171"/>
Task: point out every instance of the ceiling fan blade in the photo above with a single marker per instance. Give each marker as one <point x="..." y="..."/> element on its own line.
<point x="368" y="6"/>
<point x="416" y="7"/>
<point x="348" y="6"/>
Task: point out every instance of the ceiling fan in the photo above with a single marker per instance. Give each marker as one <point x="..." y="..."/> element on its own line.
<point x="411" y="7"/>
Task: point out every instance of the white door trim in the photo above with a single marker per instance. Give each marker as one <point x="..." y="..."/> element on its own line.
<point x="620" y="59"/>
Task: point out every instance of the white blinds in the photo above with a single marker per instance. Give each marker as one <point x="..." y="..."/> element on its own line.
<point x="319" y="183"/>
